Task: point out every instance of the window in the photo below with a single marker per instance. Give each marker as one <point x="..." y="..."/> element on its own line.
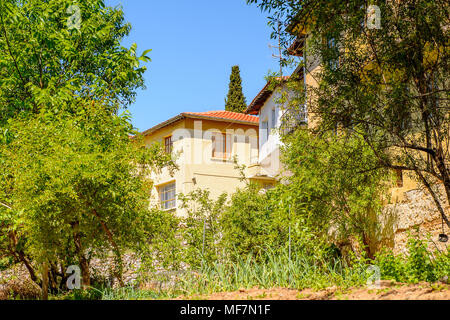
<point x="221" y="145"/>
<point x="167" y="196"/>
<point x="274" y="118"/>
<point x="168" y="144"/>
<point x="292" y="118"/>
<point x="265" y="130"/>
<point x="334" y="61"/>
<point x="301" y="114"/>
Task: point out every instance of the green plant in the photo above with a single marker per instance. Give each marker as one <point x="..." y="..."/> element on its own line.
<point x="387" y="84"/>
<point x="235" y="100"/>
<point x="84" y="294"/>
<point x="391" y="266"/>
<point x="75" y="184"/>
<point x="419" y="263"/>
<point x="329" y="181"/>
<point x="202" y="232"/>
<point x="442" y="266"/>
<point x="274" y="269"/>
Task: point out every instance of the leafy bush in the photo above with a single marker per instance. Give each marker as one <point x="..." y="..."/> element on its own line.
<point x="419" y="264"/>
<point x="84" y="294"/>
<point x="164" y="248"/>
<point x="442" y="265"/>
<point x="202" y="231"/>
<point x="333" y="177"/>
<point x="391" y="266"/>
<point x="248" y="222"/>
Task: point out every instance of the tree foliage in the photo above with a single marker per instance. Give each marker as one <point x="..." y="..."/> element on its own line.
<point x="388" y="85"/>
<point x="333" y="179"/>
<point x="46" y="64"/>
<point x="235" y="100"/>
<point x="74" y="185"/>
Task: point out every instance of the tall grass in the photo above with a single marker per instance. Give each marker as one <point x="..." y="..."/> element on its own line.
<point x="273" y="269"/>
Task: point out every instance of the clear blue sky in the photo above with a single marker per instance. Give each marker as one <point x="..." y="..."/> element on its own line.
<point x="195" y="43"/>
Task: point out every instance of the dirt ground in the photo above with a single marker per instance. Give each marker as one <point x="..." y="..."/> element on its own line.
<point x="387" y="291"/>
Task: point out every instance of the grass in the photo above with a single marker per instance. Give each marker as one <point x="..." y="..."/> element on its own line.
<point x="129" y="293"/>
<point x="273" y="270"/>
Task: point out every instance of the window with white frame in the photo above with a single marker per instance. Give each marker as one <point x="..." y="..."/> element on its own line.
<point x="221" y="145"/>
<point x="334" y="62"/>
<point x="265" y="130"/>
<point x="273" y="118"/>
<point x="167" y="196"/>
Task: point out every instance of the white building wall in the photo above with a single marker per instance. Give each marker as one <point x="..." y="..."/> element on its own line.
<point x="269" y="139"/>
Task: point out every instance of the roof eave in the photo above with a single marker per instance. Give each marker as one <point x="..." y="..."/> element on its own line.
<point x="203" y="117"/>
<point x="254" y="106"/>
<point x="195" y="116"/>
<point x="163" y="124"/>
<point x="262" y="96"/>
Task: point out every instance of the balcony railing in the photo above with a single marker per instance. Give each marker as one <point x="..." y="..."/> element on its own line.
<point x="293" y="118"/>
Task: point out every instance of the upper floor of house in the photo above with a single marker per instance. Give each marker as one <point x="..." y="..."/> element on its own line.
<point x="278" y="112"/>
<point x="206" y="146"/>
<point x="213" y="137"/>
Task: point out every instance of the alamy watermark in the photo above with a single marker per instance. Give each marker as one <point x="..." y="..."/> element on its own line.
<point x="373" y="17"/>
<point x="74" y="280"/>
<point x="373" y="281"/>
<point x="74" y="20"/>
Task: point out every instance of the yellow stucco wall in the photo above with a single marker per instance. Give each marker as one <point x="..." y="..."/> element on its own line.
<point x="313" y="69"/>
<point x="192" y="147"/>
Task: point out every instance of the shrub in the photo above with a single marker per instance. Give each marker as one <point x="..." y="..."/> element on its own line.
<point x="84" y="294"/>
<point x="419" y="264"/>
<point x="442" y="268"/>
<point x="202" y="230"/>
<point x="392" y="267"/>
<point x="247" y="223"/>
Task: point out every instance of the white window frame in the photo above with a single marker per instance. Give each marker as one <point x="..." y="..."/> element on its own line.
<point x="273" y="116"/>
<point x="221" y="145"/>
<point x="265" y="130"/>
<point x="165" y="191"/>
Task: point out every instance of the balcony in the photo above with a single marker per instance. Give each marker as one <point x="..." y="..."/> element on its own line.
<point x="293" y="118"/>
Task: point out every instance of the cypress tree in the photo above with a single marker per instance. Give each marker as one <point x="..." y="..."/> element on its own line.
<point x="235" y="100"/>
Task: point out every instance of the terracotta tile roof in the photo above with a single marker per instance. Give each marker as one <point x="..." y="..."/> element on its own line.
<point x="226" y="115"/>
<point x="220" y="115"/>
<point x="262" y="96"/>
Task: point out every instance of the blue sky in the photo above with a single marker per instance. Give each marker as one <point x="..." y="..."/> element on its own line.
<point x="195" y="43"/>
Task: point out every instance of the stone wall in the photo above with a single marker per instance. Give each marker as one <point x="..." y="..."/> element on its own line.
<point x="416" y="209"/>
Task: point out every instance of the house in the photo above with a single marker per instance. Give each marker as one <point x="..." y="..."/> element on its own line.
<point x="204" y="145"/>
<point x="408" y="202"/>
<point x="311" y="72"/>
<point x="275" y="118"/>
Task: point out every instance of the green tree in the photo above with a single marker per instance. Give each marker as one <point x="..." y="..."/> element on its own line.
<point x="69" y="179"/>
<point x="47" y="63"/>
<point x="331" y="178"/>
<point x="202" y="231"/>
<point x="387" y="84"/>
<point x="74" y="186"/>
<point x="235" y="100"/>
